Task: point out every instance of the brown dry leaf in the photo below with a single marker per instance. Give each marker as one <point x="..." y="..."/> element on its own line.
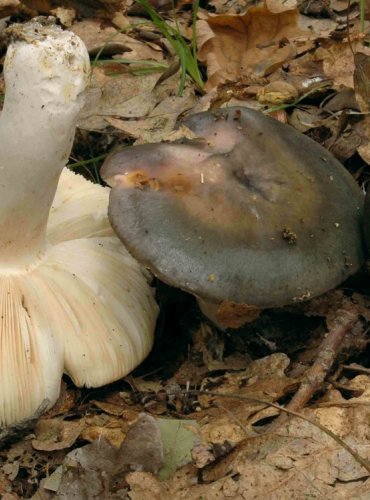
<point x="144" y="486"/>
<point x="319" y="27"/>
<point x="23" y="467"/>
<point x="298" y="461"/>
<point x="65" y="16"/>
<point x="191" y="373"/>
<point x="340" y="5"/>
<point x="56" y="434"/>
<point x="361" y="79"/>
<point x="67" y="399"/>
<point x="109" y="408"/>
<point x="345" y="144"/>
<point x="231" y="419"/>
<point x="360" y="386"/>
<point x="143" y="448"/>
<point x="112" y="428"/>
<point x="240" y="6"/>
<point x="139" y="384"/>
<point x="258" y="42"/>
<point x="160" y="122"/>
<point x="278" y="6"/>
<point x="40" y="6"/>
<point x="9" y="7"/>
<point x="96" y="36"/>
<point x="255" y="380"/>
<point x="305" y="118"/>
<point x="210" y="343"/>
<point x="114" y="436"/>
<point x="338" y="61"/>
<point x="87" y="472"/>
<point x="305" y="72"/>
<point x="125" y="96"/>
<point x="343" y="100"/>
<point x="28" y="7"/>
<point x="96" y="470"/>
<point x="363" y="130"/>
<point x="182" y="132"/>
<point x="135" y="105"/>
<point x="276" y="93"/>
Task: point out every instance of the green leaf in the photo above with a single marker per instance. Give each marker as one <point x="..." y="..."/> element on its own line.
<point x="178" y="437"/>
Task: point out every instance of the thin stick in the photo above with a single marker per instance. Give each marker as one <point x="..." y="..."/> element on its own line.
<point x="328" y="350"/>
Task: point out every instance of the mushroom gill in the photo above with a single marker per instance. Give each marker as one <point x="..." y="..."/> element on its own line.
<point x="72" y="298"/>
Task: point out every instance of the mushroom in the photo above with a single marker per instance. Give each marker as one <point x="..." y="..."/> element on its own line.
<point x="72" y="298"/>
<point x="248" y="215"/>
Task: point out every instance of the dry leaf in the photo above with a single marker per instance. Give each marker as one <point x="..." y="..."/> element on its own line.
<point x="229" y="6"/>
<point x="109" y="408"/>
<point x="305" y="118"/>
<point x="227" y="419"/>
<point x="112" y="428"/>
<point x="276" y="93"/>
<point x="122" y="96"/>
<point x="96" y="36"/>
<point x="258" y="42"/>
<point x="65" y="16"/>
<point x="97" y="470"/>
<point x="142" y="450"/>
<point x="8" y="7"/>
<point x="361" y="78"/>
<point x="67" y="399"/>
<point x="363" y="130"/>
<point x="298" y="461"/>
<point x="114" y="436"/>
<point x="87" y="472"/>
<point x="56" y="434"/>
<point x="278" y="6"/>
<point x="338" y="61"/>
<point x="159" y="122"/>
<point x="144" y="486"/>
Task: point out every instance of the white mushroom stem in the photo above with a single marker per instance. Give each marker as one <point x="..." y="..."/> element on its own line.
<point x="72" y="298"/>
<point x="37" y="127"/>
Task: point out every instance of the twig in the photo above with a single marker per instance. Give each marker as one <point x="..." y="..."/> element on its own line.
<point x="356" y="368"/>
<point x="328" y="350"/>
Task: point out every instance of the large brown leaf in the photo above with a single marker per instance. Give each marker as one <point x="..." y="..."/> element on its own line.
<point x="257" y="42"/>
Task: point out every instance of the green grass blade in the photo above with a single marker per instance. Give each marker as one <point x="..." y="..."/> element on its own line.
<point x="186" y="54"/>
<point x="84" y="163"/>
<point x="141" y="62"/>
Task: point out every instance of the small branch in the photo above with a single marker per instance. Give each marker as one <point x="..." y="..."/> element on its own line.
<point x="328" y="351"/>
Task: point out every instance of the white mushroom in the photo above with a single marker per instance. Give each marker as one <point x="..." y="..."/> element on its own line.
<point x="72" y="299"/>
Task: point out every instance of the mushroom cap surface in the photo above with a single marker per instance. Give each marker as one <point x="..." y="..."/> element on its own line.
<point x="251" y="211"/>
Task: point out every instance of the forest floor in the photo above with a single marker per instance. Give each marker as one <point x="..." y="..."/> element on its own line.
<point x="157" y="434"/>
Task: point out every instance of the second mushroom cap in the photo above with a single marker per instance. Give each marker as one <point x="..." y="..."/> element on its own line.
<point x="250" y="211"/>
